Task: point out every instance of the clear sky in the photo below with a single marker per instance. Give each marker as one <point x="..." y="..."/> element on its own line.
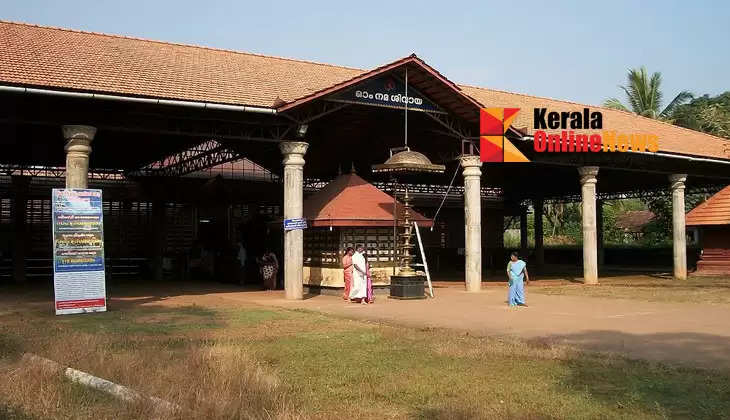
<point x="572" y="50"/>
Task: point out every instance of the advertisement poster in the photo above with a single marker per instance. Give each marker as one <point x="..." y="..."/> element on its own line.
<point x="78" y="251"/>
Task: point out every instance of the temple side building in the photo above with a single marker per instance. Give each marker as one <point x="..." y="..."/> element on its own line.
<point x="346" y="212"/>
<point x="712" y="220"/>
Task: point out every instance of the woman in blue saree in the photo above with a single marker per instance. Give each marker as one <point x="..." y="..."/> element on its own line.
<point x="516" y="275"/>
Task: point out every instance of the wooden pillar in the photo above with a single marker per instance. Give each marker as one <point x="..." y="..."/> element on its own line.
<point x="20" y="228"/>
<point x="538" y="205"/>
<point x="599" y="232"/>
<point x="158" y="239"/>
<point x="523" y="233"/>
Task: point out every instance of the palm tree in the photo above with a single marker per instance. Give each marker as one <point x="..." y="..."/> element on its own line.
<point x="645" y="97"/>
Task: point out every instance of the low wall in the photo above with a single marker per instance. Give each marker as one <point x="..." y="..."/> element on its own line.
<point x="335" y="277"/>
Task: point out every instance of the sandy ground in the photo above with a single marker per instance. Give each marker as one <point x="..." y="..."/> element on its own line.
<point x="688" y="333"/>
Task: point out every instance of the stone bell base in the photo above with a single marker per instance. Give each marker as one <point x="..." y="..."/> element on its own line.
<point x="410" y="287"/>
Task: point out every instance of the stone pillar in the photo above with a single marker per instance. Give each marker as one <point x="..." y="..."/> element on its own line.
<point x="523" y="233"/>
<point x="293" y="197"/>
<point x="472" y="222"/>
<point x="20" y="228"/>
<point x="679" y="236"/>
<point x="78" y="140"/>
<point x="599" y="232"/>
<point x="590" y="240"/>
<point x="538" y="205"/>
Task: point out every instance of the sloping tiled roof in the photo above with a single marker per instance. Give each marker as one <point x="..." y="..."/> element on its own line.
<point x="714" y="211"/>
<point x="351" y="201"/>
<point x="38" y="56"/>
<point x="634" y="220"/>
<point x="672" y="138"/>
<point x="66" y="59"/>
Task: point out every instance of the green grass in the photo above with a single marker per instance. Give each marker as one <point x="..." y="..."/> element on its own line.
<point x="708" y="290"/>
<point x="330" y="366"/>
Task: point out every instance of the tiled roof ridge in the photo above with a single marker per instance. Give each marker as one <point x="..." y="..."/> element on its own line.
<point x="594" y="106"/>
<point x="178" y="44"/>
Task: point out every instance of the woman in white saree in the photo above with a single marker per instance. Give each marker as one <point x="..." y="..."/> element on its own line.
<point x="359" y="289"/>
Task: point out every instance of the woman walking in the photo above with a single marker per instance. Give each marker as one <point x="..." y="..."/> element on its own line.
<point x="516" y="274"/>
<point x="358" y="291"/>
<point x="347" y="269"/>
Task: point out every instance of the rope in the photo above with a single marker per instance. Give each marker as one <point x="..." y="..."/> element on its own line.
<point x="445" y="195"/>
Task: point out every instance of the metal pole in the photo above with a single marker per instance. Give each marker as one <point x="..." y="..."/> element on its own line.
<point x="406" y="112"/>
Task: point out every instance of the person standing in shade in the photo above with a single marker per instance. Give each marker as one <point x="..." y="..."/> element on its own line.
<point x="347" y="268"/>
<point x="269" y="268"/>
<point x="517" y="276"/>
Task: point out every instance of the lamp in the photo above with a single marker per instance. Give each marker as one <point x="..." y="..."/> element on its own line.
<point x="406" y="161"/>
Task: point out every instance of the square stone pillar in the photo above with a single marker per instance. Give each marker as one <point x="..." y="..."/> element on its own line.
<point x="679" y="235"/>
<point x="590" y="240"/>
<point x="78" y="140"/>
<point x="539" y="206"/>
<point x="293" y="201"/>
<point x="472" y="222"/>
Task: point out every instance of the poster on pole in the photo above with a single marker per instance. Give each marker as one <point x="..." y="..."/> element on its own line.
<point x="78" y="251"/>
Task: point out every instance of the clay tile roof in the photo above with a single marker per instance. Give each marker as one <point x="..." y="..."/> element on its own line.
<point x="714" y="211"/>
<point x="634" y="220"/>
<point x="68" y="59"/>
<point x="57" y="58"/>
<point x="672" y="138"/>
<point x="351" y="201"/>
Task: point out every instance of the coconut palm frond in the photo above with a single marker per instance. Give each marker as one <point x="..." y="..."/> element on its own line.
<point x="682" y="98"/>
<point x="614" y="103"/>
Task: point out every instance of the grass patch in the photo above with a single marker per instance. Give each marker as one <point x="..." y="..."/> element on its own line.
<point x="251" y="362"/>
<point x="255" y="316"/>
<point x="150" y="321"/>
<point x="712" y="290"/>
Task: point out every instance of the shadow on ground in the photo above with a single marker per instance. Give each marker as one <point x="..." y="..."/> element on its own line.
<point x="688" y="348"/>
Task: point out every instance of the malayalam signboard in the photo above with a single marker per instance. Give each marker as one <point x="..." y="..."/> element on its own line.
<point x="78" y="251"/>
<point x="388" y="92"/>
<point x="294" y="224"/>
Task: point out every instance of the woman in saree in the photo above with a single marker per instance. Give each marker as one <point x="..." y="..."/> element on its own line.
<point x="269" y="268"/>
<point x="517" y="275"/>
<point x="347" y="269"/>
<point x="370" y="298"/>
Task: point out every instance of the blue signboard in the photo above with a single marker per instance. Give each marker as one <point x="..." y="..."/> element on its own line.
<point x="389" y="92"/>
<point x="295" y="224"/>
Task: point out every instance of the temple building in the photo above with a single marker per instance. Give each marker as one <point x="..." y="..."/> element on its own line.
<point x="137" y="118"/>
<point x="712" y="220"/>
<point x="346" y="212"/>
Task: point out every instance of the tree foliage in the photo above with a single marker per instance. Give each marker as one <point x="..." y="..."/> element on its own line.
<point x="707" y="114"/>
<point x="644" y="96"/>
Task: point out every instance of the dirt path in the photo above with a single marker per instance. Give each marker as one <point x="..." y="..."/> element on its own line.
<point x="692" y="334"/>
<point x="689" y="333"/>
